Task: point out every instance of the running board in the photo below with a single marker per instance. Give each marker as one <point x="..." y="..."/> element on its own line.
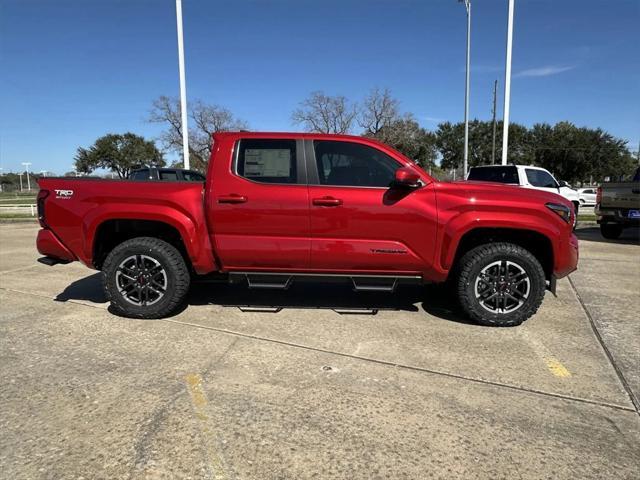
<point x="361" y="283"/>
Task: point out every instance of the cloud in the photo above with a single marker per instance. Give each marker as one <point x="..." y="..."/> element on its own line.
<point x="545" y="71"/>
<point x="431" y="119"/>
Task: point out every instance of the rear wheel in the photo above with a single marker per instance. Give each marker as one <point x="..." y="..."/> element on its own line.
<point x="145" y="278"/>
<point x="611" y="231"/>
<point x="500" y="284"/>
<point x="576" y="210"/>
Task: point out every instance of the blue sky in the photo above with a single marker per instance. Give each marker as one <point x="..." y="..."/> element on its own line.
<point x="72" y="71"/>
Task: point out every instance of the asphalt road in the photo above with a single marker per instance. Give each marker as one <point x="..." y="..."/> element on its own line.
<point x="407" y="389"/>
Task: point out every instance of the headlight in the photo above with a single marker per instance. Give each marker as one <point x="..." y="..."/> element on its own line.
<point x="563" y="211"/>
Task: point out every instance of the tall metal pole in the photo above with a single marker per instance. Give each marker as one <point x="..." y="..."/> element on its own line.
<point x="507" y="85"/>
<point x="20" y="175"/>
<point x="467" y="4"/>
<point x="183" y="86"/>
<point x="493" y="112"/>
<point x="26" y="165"/>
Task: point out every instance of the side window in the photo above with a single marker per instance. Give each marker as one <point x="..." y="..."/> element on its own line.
<point x="353" y="164"/>
<point x="192" y="176"/>
<point x="540" y="178"/>
<point x="267" y="160"/>
<point x="168" y="175"/>
<point x="140" y="175"/>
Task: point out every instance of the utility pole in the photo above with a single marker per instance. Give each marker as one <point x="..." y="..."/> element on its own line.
<point x="507" y="85"/>
<point x="467" y="4"/>
<point x="26" y="165"/>
<point x="493" y="112"/>
<point x="20" y="175"/>
<point x="183" y="86"/>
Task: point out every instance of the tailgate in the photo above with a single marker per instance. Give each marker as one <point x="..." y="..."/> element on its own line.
<point x="621" y="195"/>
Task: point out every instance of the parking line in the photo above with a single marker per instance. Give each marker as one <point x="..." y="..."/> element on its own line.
<point x="557" y="368"/>
<point x="553" y="364"/>
<point x="200" y="402"/>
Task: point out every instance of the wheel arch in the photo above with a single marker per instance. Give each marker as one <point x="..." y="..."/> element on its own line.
<point x="535" y="242"/>
<point x="111" y="233"/>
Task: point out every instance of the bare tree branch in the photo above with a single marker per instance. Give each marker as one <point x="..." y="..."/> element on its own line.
<point x="324" y="114"/>
<point x="205" y="120"/>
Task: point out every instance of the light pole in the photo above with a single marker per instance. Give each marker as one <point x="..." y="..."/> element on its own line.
<point x="467" y="4"/>
<point x="507" y="85"/>
<point x="183" y="86"/>
<point x="26" y="166"/>
<point x="20" y="175"/>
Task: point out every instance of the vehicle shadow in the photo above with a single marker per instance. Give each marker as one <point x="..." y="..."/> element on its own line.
<point x="87" y="288"/>
<point x="630" y="236"/>
<point x="435" y="300"/>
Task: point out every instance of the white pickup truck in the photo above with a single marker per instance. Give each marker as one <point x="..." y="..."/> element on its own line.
<point x="526" y="176"/>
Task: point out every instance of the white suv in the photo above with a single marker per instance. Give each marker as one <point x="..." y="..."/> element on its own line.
<point x="528" y="177"/>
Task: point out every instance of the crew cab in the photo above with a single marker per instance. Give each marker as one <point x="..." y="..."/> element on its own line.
<point x="279" y="206"/>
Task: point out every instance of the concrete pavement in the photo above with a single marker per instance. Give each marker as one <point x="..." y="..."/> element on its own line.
<point x="412" y="391"/>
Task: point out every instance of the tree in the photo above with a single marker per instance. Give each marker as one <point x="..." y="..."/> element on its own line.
<point x="205" y="121"/>
<point x="324" y="114"/>
<point x="405" y="135"/>
<point x="377" y="112"/>
<point x="450" y="143"/>
<point x="118" y="153"/>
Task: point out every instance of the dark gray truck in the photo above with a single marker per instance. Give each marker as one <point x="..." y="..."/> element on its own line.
<point x="618" y="206"/>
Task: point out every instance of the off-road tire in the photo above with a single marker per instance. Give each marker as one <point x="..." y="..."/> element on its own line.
<point x="177" y="276"/>
<point x="611" y="231"/>
<point x="470" y="266"/>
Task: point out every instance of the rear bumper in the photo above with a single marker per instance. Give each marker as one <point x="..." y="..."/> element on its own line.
<point x="50" y="246"/>
<point x="567" y="257"/>
<point x="619" y="216"/>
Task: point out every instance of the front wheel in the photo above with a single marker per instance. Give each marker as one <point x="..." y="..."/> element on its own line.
<point x="500" y="284"/>
<point x="145" y="278"/>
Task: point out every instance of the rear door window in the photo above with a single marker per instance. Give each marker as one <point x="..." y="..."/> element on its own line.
<point x="267" y="160"/>
<point x="540" y="178"/>
<point x="494" y="174"/>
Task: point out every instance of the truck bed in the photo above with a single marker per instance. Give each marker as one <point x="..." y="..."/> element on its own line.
<point x="75" y="208"/>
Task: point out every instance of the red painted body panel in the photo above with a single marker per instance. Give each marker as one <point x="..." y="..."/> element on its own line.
<point x="235" y="224"/>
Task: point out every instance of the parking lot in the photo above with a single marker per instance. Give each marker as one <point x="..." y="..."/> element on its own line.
<point x="318" y="381"/>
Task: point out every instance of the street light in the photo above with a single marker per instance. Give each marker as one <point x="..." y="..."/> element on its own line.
<point x="26" y="166"/>
<point x="507" y="85"/>
<point x="467" y="4"/>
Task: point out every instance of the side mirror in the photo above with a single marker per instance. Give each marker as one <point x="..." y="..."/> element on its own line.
<point x="564" y="184"/>
<point x="407" y="178"/>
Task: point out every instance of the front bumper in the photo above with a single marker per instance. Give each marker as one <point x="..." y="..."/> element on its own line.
<point x="50" y="246"/>
<point x="567" y="256"/>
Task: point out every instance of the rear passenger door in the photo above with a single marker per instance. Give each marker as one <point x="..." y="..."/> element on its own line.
<point x="260" y="211"/>
<point x="359" y="223"/>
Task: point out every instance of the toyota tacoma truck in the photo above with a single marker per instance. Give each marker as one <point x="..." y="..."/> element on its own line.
<point x="618" y="206"/>
<point x="278" y="207"/>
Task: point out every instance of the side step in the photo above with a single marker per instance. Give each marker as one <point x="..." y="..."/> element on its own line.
<point x="374" y="284"/>
<point x="51" y="261"/>
<point x="275" y="282"/>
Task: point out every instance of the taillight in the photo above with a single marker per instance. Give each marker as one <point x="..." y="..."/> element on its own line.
<point x="599" y="195"/>
<point x="42" y="195"/>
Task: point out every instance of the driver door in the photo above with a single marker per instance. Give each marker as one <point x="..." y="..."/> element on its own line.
<point x="359" y="224"/>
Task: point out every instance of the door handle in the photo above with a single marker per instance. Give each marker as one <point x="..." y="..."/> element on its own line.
<point x="327" y="202"/>
<point x="232" y="198"/>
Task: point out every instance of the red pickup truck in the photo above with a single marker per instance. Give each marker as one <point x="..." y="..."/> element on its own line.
<point x="278" y="206"/>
